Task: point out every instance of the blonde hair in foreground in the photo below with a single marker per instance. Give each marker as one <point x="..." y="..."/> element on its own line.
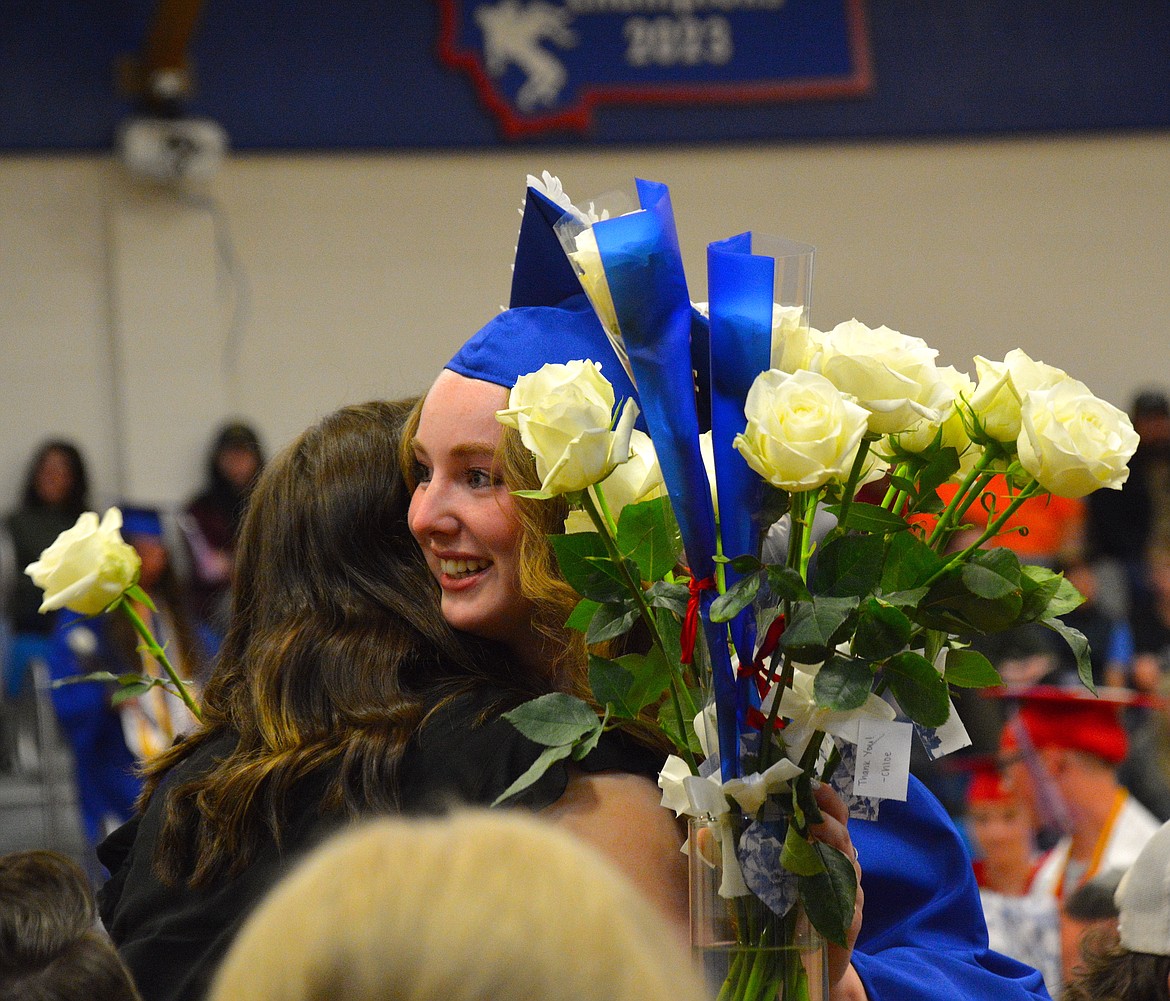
<point x="479" y="906"/>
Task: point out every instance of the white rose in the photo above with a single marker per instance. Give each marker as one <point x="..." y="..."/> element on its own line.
<point x="1072" y="442"/>
<point x="87" y="567"/>
<point x="890" y="374"/>
<point x="801" y="432"/>
<point x="794" y="343"/>
<point x="1001" y="388"/>
<point x="586" y="260"/>
<point x="564" y="413"/>
<point x="952" y="423"/>
<point x="638" y="479"/>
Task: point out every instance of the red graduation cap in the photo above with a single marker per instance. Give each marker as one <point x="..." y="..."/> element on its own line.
<point x="1072" y="718"/>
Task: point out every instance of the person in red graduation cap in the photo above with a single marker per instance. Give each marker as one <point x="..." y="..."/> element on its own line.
<point x="1003" y="831"/>
<point x="1062" y="749"/>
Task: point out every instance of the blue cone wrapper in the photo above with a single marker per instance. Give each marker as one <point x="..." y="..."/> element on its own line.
<point x="740" y="288"/>
<point x="644" y="270"/>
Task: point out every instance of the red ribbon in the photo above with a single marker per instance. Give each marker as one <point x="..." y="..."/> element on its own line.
<point x="690" y="626"/>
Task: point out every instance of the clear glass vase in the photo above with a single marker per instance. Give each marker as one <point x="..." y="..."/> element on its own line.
<point x="745" y="951"/>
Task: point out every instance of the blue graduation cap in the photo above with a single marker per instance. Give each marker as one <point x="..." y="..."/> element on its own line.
<point x="549" y="319"/>
<point x="141" y="521"/>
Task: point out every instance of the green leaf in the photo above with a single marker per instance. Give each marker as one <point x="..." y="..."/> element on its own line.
<point x="798" y="856"/>
<point x="970" y="669"/>
<point x="849" y="566"/>
<point x="786" y="584"/>
<point x="668" y="722"/>
<point x="1054" y="594"/>
<point x="843" y="683"/>
<point x="74" y="679"/>
<point x="553" y="719"/>
<point x="919" y="688"/>
<point x="737" y="597"/>
<point x="871" y="518"/>
<point x="992" y="573"/>
<point x="587" y="567"/>
<point x="648" y="534"/>
<point x="909" y="563"/>
<point x="611" y="620"/>
<point x="663" y="594"/>
<point x="1080" y="648"/>
<point x="815" y="626"/>
<point x="137" y="594"/>
<point x="587" y="744"/>
<point x="580" y="617"/>
<point x="630" y="683"/>
<point x="941" y="467"/>
<point x="131" y="691"/>
<point x="829" y="897"/>
<point x="548" y="757"/>
<point x="744" y="565"/>
<point x="882" y="630"/>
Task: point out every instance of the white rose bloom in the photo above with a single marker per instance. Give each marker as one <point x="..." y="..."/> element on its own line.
<point x="954" y="428"/>
<point x="890" y="374"/>
<point x="801" y="431"/>
<point x="586" y="260"/>
<point x="563" y="413"/>
<point x="638" y="479"/>
<point x="87" y="567"/>
<point x="1072" y="442"/>
<point x="1001" y="388"/>
<point x="794" y="343"/>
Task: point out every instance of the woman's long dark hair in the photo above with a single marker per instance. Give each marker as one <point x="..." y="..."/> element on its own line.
<point x="329" y="657"/>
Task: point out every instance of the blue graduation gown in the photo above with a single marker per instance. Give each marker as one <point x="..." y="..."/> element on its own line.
<point x="923" y="934"/>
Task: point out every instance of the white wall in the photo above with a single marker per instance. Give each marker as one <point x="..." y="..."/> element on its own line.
<point x="361" y="274"/>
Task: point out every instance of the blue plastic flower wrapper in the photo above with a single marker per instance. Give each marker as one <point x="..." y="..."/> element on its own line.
<point x="740" y="291"/>
<point x="644" y="270"/>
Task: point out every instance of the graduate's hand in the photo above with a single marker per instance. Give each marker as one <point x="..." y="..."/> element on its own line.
<point x="844" y="983"/>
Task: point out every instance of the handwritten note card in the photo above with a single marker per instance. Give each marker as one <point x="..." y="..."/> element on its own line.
<point x="883" y="759"/>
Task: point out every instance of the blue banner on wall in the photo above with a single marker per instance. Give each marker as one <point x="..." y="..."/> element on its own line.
<point x="387" y="74"/>
<point x="540" y="65"/>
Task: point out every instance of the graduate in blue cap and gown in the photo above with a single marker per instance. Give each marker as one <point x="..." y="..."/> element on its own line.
<point x="922" y="933"/>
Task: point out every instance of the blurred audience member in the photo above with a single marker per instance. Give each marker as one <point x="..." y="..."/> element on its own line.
<point x="1003" y="835"/>
<point x="1088" y="919"/>
<point x="1150" y="622"/>
<point x="1136" y="965"/>
<point x="476" y="906"/>
<point x="212" y="519"/>
<point x="1145" y="772"/>
<point x="1062" y="750"/>
<point x="56" y="492"/>
<point x="1123" y="524"/>
<point x="1111" y="643"/>
<point x="51" y="945"/>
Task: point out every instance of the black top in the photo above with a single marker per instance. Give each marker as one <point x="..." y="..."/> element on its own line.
<point x="172" y="938"/>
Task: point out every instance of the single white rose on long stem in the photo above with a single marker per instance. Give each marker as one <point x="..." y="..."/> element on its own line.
<point x="564" y="413"/>
<point x="892" y="375"/>
<point x="1073" y="442"/>
<point x="801" y="431"/>
<point x="1002" y="387"/>
<point x="88" y="567"/>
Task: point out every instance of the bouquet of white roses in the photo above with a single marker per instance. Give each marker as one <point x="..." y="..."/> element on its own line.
<point x="843" y="619"/>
